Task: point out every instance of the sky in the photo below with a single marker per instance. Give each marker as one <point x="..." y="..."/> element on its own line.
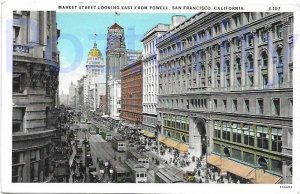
<point x="77" y="36"/>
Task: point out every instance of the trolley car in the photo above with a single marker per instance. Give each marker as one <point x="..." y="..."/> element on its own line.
<point x="119" y="143"/>
<point x="121" y="174"/>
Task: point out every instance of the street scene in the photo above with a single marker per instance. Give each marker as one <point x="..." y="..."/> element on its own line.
<point x="202" y="98"/>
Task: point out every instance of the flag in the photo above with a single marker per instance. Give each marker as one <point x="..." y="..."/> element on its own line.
<point x="117" y="14"/>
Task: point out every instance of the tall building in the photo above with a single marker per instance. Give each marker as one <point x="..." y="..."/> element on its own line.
<point x="225" y="90"/>
<point x="132" y="56"/>
<point x="150" y="76"/>
<point x="115" y="61"/>
<point x="71" y="97"/>
<point x="35" y="92"/>
<point x="95" y="73"/>
<point x="132" y="93"/>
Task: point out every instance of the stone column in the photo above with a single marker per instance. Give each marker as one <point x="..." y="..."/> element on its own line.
<point x="222" y="66"/>
<point x="26" y="170"/>
<point x="271" y="67"/>
<point x="213" y="77"/>
<point x="255" y="60"/>
<point x="206" y="66"/>
<point x="34" y="34"/>
<point x="286" y="51"/>
<point x="243" y="62"/>
<point x="232" y="72"/>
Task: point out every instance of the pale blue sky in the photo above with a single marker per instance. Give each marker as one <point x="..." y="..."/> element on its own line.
<point x="77" y="37"/>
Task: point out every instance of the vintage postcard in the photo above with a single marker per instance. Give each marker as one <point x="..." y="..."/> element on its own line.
<point x="95" y="94"/>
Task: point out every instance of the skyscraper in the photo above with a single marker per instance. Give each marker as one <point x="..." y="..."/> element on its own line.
<point x="115" y="60"/>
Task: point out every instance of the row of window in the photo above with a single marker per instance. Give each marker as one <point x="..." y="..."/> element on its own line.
<point x="276" y="28"/>
<point x="241" y="105"/>
<point x="263" y="137"/>
<point x="250" y="158"/>
<point x="180" y="137"/>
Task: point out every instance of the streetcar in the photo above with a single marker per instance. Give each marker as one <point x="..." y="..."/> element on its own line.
<point x="119" y="143"/>
<point x="121" y="173"/>
<point x="167" y="175"/>
<point x="141" y="158"/>
<point x="106" y="135"/>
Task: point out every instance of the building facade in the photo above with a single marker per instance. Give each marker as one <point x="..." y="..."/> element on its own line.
<point x="35" y="91"/>
<point x="115" y="60"/>
<point x="71" y="97"/>
<point x="132" y="93"/>
<point x="226" y="90"/>
<point x="150" y="76"/>
<point x="95" y="72"/>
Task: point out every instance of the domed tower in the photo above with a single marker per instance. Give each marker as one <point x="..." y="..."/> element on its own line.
<point x="95" y="72"/>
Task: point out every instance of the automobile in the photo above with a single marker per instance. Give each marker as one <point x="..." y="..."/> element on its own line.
<point x="189" y="176"/>
<point x="131" y="145"/>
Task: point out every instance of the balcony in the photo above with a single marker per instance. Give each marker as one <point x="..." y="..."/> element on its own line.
<point x="21" y="49"/>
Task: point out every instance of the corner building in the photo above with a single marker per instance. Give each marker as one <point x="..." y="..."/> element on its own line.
<point x="226" y="91"/>
<point x="35" y="93"/>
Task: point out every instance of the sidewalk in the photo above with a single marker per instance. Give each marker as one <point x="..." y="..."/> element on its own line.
<point x="190" y="167"/>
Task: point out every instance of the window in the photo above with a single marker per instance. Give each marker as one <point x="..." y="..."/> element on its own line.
<point x="218" y="69"/>
<point x="18" y="119"/>
<point x="224" y="105"/>
<point x="250" y="40"/>
<point x="262" y="137"/>
<point x="279" y="31"/>
<point x="249" y="158"/>
<point x="238" y="82"/>
<point x="248" y="135"/>
<point x="276" y="106"/>
<point x="276" y="139"/>
<point x="265" y="80"/>
<point x="250" y="80"/>
<point x="236" y="133"/>
<point x="227" y="67"/>
<point x="237" y="154"/>
<point x="227" y="47"/>
<point x="264" y="57"/>
<point x="217" y="148"/>
<point x="215" y="104"/>
<point x="246" y="105"/>
<point x="234" y="105"/>
<point x="264" y="36"/>
<point x="238" y="65"/>
<point x="217" y="129"/>
<point x="226" y="131"/>
<point x="16" y="33"/>
<point x="276" y="166"/>
<point x="237" y="20"/>
<point x="260" y="106"/>
<point x="250" y="62"/>
<point x="18" y="82"/>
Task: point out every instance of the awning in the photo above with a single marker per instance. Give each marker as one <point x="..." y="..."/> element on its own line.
<point x="161" y="138"/>
<point x="170" y="143"/>
<point x="263" y="177"/>
<point x="148" y="134"/>
<point x="242" y="170"/>
<point x="182" y="147"/>
<point x="268" y="178"/>
<point x="214" y="160"/>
